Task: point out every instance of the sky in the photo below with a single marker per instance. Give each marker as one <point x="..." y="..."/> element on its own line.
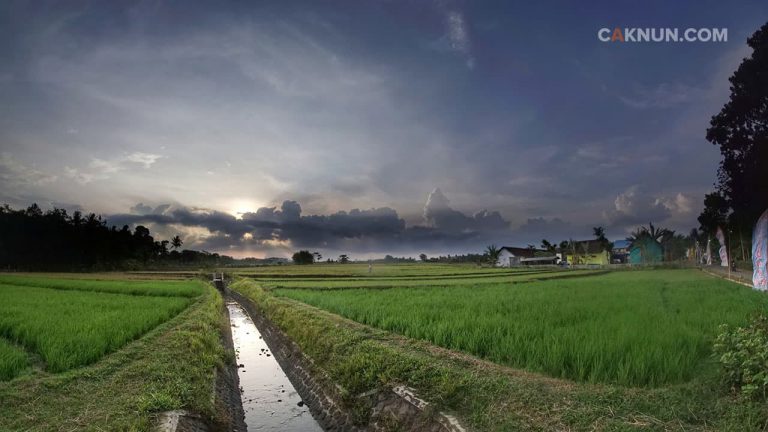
<point x="257" y="128"/>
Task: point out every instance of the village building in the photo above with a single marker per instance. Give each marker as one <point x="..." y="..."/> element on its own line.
<point x="645" y="251"/>
<point x="588" y="252"/>
<point x="620" y="252"/>
<point x="516" y="256"/>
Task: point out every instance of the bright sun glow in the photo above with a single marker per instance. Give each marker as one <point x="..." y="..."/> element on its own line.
<point x="240" y="206"/>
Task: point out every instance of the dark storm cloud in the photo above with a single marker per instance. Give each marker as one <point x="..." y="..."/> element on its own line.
<point x="361" y="230"/>
<point x="271" y="223"/>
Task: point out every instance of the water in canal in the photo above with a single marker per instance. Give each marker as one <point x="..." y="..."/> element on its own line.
<point x="269" y="400"/>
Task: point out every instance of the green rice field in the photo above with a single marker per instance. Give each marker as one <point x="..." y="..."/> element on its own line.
<point x="435" y="281"/>
<point x="633" y="328"/>
<point x="171" y="288"/>
<point x="12" y="360"/>
<point x="378" y="270"/>
<point x="68" y="323"/>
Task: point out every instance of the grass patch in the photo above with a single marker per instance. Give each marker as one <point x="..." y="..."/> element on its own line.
<point x="170" y="367"/>
<point x="322" y="270"/>
<point x="432" y="281"/>
<point x="169" y="288"/>
<point x="74" y="328"/>
<point x="13" y="360"/>
<point x="642" y="328"/>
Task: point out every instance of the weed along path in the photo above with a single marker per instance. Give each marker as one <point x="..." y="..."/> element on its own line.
<point x="270" y="401"/>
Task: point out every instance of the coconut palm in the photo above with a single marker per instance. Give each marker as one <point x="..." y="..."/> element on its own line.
<point x="176" y="242"/>
<point x="660" y="235"/>
<point x="492" y="254"/>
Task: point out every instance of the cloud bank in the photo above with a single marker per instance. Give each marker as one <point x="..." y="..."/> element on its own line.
<point x="287" y="227"/>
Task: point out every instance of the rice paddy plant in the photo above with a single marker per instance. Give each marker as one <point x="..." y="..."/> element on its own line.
<point x="436" y="281"/>
<point x="634" y="328"/>
<point x="432" y="274"/>
<point x="12" y="360"/>
<point x="70" y="328"/>
<point x="183" y="288"/>
<point x="361" y="270"/>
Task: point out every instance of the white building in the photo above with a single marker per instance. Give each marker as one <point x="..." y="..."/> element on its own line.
<point x="515" y="257"/>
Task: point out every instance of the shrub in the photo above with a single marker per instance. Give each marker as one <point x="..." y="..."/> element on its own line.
<point x="743" y="355"/>
<point x="303" y="257"/>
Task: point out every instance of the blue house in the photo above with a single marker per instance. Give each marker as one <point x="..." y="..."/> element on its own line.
<point x="645" y="251"/>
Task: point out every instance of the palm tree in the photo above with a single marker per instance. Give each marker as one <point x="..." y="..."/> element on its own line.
<point x="599" y="233"/>
<point x="176" y="242"/>
<point x="641" y="235"/>
<point x="660" y="235"/>
<point x="492" y="253"/>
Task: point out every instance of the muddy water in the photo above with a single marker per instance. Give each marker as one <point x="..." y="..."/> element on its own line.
<point x="269" y="400"/>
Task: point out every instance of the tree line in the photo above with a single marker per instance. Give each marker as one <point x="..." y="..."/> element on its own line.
<point x="54" y="240"/>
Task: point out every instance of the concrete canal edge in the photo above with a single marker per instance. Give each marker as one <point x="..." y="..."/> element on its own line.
<point x="399" y="405"/>
<point x="317" y="391"/>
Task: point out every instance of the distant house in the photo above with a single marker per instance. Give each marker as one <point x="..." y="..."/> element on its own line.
<point x="515" y="257"/>
<point x="620" y="252"/>
<point x="587" y="252"/>
<point x="645" y="251"/>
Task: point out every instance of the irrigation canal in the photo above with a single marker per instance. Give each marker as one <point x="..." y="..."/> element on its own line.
<point x="270" y="401"/>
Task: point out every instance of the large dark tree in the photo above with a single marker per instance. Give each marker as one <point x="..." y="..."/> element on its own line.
<point x="303" y="257"/>
<point x="741" y="132"/>
<point x="715" y="214"/>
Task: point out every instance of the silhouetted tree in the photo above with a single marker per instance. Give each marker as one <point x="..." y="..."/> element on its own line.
<point x="599" y="233"/>
<point x="31" y="239"/>
<point x="549" y="247"/>
<point x="303" y="257"/>
<point x="715" y="212"/>
<point x="343" y="258"/>
<point x="657" y="234"/>
<point x="740" y="129"/>
<point x="176" y="242"/>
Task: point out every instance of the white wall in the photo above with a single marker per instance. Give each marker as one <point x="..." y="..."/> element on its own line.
<point x="504" y="258"/>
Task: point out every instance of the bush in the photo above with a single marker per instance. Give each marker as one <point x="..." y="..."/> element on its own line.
<point x="303" y="257"/>
<point x="743" y="355"/>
